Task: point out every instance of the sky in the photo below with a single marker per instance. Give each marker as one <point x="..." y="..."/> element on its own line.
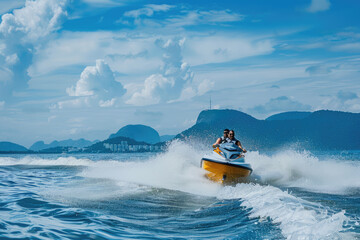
<point x="85" y="68"/>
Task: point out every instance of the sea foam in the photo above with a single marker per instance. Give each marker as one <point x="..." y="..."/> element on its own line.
<point x="297" y="218"/>
<point x="302" y="169"/>
<point x="177" y="169"/>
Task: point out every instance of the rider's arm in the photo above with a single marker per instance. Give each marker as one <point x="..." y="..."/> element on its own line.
<point x="218" y="141"/>
<point x="240" y="146"/>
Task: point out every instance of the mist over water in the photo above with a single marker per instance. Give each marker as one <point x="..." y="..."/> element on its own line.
<point x="288" y="197"/>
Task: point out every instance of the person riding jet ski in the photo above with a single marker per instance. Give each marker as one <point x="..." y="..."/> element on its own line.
<point x="229" y="137"/>
<point x="226" y="163"/>
<point x="232" y="139"/>
<point x="222" y="139"/>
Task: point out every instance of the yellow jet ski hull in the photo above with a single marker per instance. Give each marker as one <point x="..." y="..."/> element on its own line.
<point x="225" y="172"/>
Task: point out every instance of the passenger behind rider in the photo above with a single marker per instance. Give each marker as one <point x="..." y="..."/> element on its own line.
<point x="232" y="139"/>
<point x="222" y="139"/>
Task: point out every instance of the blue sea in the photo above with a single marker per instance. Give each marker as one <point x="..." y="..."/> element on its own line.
<point x="291" y="195"/>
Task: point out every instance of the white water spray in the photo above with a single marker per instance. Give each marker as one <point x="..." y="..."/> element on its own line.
<point x="301" y="169"/>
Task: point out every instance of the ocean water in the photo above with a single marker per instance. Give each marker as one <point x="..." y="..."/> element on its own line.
<point x="291" y="195"/>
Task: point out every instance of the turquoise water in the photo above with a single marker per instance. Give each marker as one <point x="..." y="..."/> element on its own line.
<point x="292" y="195"/>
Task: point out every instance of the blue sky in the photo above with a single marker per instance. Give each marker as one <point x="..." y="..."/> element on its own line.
<point x="85" y="68"/>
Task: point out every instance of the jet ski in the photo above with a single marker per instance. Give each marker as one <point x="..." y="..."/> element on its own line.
<point x="226" y="164"/>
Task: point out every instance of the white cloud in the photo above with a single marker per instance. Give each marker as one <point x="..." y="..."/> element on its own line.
<point x="2" y="104"/>
<point x="303" y="46"/>
<point x="196" y="17"/>
<point x="195" y="89"/>
<point x="79" y="102"/>
<point x="216" y="49"/>
<point x="344" y="101"/>
<point x="174" y="83"/>
<point x="217" y="106"/>
<point x="346" y="41"/>
<point x="107" y="103"/>
<point x="280" y="104"/>
<point x="205" y="86"/>
<point x="125" y="53"/>
<point x="34" y="21"/>
<point x="155" y="87"/>
<point x="318" y="6"/>
<point x="183" y="18"/>
<point x="20" y="34"/>
<point x="137" y="54"/>
<point x="98" y="83"/>
<point x="349" y="47"/>
<point x="148" y="10"/>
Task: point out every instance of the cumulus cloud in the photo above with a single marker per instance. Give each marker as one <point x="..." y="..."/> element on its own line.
<point x="20" y="33"/>
<point x="2" y="104"/>
<point x="195" y="90"/>
<point x="175" y="82"/>
<point x="97" y="83"/>
<point x="107" y="103"/>
<point x="279" y="104"/>
<point x="343" y="101"/>
<point x="318" y="6"/>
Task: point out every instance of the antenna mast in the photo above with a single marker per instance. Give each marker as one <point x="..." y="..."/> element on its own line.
<point x="210" y="102"/>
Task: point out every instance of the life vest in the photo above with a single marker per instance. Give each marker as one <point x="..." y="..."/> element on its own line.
<point x="224" y="140"/>
<point x="234" y="141"/>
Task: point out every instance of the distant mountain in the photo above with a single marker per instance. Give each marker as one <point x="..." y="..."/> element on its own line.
<point x="140" y="133"/>
<point x="80" y="143"/>
<point x="12" y="147"/>
<point x="319" y="130"/>
<point x="289" y="116"/>
<point x="165" y="138"/>
<point x="223" y="116"/>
